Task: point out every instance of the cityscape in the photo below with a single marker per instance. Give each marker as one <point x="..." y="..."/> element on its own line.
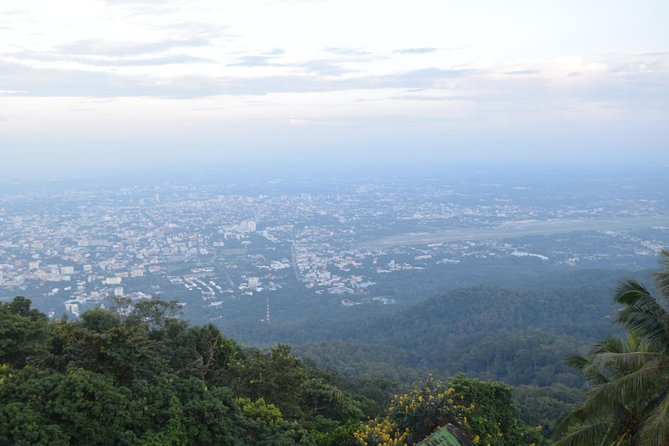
<point x="334" y="223"/>
<point x="209" y="245"/>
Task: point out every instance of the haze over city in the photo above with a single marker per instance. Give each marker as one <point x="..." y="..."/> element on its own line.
<point x="334" y="222"/>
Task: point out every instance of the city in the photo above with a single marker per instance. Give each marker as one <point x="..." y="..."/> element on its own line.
<point x="208" y="245"/>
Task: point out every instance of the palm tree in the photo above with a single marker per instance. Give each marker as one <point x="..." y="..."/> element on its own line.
<point x="628" y="404"/>
<point x="606" y="420"/>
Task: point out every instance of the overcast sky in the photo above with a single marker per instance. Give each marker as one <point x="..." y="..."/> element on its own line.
<point x="89" y="83"/>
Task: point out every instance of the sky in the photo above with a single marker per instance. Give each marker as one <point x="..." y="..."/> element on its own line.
<point x="95" y="84"/>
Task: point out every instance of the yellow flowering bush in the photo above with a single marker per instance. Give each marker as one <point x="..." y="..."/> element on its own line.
<point x="481" y="411"/>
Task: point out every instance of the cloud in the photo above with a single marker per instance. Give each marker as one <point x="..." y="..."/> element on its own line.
<point x="324" y="67"/>
<point x="261" y="59"/>
<point x="255" y="60"/>
<point x="642" y="65"/>
<point x="27" y="57"/>
<point x="416" y="97"/>
<point x="59" y="82"/>
<point x="98" y="47"/>
<point x="551" y="87"/>
<point x="30" y="58"/>
<point x="426" y="77"/>
<point x="274" y="52"/>
<point x="154" y="61"/>
<point x="297" y="122"/>
<point x="144" y="6"/>
<point x="14" y="12"/>
<point x="54" y="82"/>
<point x="416" y="50"/>
<point x="522" y="72"/>
<point x="295" y="1"/>
<point x="347" y="51"/>
<point x="129" y="2"/>
<point x="640" y="90"/>
<point x="199" y="29"/>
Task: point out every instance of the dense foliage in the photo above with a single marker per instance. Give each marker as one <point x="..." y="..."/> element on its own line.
<point x="520" y="337"/>
<point x="135" y="375"/>
<point x="142" y="377"/>
<point x="479" y="411"/>
<point x="628" y="403"/>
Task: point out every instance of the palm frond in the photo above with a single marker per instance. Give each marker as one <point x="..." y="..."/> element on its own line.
<point x="593" y="373"/>
<point x="587" y="435"/>
<point x="651" y="327"/>
<point x="629" y="292"/>
<point x="577" y="361"/>
<point x="655" y="431"/>
<point x="642" y="314"/>
<point x="625" y="362"/>
<point x="625" y="389"/>
<point x="575" y="416"/>
<point x="611" y="439"/>
<point x="611" y="344"/>
<point x="662" y="277"/>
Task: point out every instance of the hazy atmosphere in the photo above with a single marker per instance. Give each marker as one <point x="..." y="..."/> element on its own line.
<point x="93" y="85"/>
<point x="334" y="223"/>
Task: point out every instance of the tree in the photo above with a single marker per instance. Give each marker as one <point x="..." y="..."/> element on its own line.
<point x="97" y="344"/>
<point x="23" y="332"/>
<point x="141" y="376"/>
<point x="154" y="312"/>
<point x="629" y="401"/>
<point x="606" y="418"/>
<point x="47" y="407"/>
<point x="479" y="411"/>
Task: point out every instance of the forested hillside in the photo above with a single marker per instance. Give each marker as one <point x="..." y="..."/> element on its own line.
<point x="136" y="375"/>
<point x="143" y="377"/>
<point x="518" y="336"/>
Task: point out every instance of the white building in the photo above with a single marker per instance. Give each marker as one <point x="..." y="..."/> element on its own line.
<point x="72" y="307"/>
<point x="65" y="270"/>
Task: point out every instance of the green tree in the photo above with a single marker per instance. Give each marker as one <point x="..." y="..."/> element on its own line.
<point x="276" y="376"/>
<point x="154" y="312"/>
<point x="24" y="332"/>
<point x="142" y="377"/>
<point x="604" y="418"/>
<point x="123" y="351"/>
<point x="47" y="407"/>
<point x="483" y="412"/>
<point x="629" y="401"/>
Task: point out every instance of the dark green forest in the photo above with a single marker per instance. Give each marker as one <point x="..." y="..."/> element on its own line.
<point x="137" y="375"/>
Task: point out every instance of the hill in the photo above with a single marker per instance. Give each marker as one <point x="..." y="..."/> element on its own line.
<point x="519" y="336"/>
<point x="137" y="375"/>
